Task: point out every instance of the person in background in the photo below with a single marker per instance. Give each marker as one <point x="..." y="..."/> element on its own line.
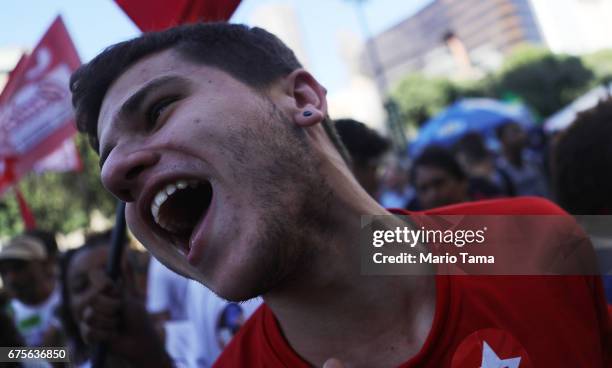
<point x="167" y="303"/>
<point x="367" y="149"/>
<point x="28" y="274"/>
<point x="48" y="240"/>
<point x="166" y="293"/>
<point x="396" y="191"/>
<point x="215" y="321"/>
<point x="194" y="322"/>
<point x="523" y="168"/>
<point x="438" y="180"/>
<point x="486" y="180"/>
<point x="582" y="179"/>
<point x="83" y="275"/>
<point x="11" y="338"/>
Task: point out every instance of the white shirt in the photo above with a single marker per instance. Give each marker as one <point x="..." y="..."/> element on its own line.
<point x="33" y="321"/>
<point x="182" y="343"/>
<point x="215" y="321"/>
<point x="166" y="290"/>
<point x="201" y="323"/>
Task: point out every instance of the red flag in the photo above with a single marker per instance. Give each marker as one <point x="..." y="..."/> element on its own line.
<point x="155" y="15"/>
<point x="28" y="218"/>
<point x="6" y="174"/>
<point x="9" y="87"/>
<point x="36" y="115"/>
<point x="64" y="158"/>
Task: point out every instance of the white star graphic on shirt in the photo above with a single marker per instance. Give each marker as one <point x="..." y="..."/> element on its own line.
<point x="491" y="360"/>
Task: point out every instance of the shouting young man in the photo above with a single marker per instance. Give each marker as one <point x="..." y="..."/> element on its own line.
<point x="220" y="143"/>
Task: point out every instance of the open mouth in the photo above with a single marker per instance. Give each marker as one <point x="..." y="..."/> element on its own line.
<point x="178" y="207"/>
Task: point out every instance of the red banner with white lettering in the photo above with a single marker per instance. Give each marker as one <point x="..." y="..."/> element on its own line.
<point x="36" y="117"/>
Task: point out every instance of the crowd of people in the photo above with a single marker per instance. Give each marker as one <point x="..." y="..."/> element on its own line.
<point x="468" y="170"/>
<point x="571" y="168"/>
<point x="266" y="226"/>
<point x="47" y="297"/>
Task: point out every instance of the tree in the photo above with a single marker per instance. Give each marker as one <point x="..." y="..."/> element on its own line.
<point x="545" y="81"/>
<point x="61" y="202"/>
<point x="420" y="98"/>
<point x="600" y="63"/>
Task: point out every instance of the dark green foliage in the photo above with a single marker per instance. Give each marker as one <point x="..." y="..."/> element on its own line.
<point x="61" y="202"/>
<point x="544" y="81"/>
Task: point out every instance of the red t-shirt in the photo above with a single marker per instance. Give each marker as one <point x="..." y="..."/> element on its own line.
<point x="480" y="321"/>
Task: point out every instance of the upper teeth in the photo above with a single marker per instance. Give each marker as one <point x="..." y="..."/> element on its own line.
<point x="163" y="195"/>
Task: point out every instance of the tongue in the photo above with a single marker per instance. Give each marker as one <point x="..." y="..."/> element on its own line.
<point x="198" y="234"/>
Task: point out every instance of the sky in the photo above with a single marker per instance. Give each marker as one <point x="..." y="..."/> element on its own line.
<point x="96" y="24"/>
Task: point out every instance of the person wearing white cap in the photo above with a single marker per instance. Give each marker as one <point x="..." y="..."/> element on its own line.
<point x="28" y="276"/>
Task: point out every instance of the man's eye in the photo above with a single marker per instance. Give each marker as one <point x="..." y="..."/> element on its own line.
<point x="157" y="109"/>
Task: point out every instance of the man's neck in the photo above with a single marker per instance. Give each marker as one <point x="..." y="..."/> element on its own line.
<point x="334" y="311"/>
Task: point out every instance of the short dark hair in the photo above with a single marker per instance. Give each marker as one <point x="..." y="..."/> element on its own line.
<point x="364" y="144"/>
<point x="251" y="55"/>
<point x="582" y="162"/>
<point x="473" y="146"/>
<point x="438" y="157"/>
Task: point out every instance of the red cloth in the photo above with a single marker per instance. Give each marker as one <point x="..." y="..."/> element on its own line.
<point x="36" y="114"/>
<point x="496" y="321"/>
<point x="158" y="15"/>
<point x="26" y="215"/>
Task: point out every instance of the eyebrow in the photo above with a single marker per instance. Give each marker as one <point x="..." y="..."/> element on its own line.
<point x="134" y="102"/>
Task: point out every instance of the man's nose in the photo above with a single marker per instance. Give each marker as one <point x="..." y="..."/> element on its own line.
<point x="121" y="174"/>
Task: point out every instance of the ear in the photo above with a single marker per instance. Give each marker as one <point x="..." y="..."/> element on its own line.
<point x="304" y="98"/>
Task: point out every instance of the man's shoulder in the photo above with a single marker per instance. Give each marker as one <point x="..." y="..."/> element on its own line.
<point x="528" y="205"/>
<point x="502" y="206"/>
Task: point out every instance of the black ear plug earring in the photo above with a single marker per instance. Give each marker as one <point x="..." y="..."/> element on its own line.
<point x="307" y="113"/>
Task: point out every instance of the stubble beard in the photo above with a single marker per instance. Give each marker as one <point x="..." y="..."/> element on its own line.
<point x="291" y="203"/>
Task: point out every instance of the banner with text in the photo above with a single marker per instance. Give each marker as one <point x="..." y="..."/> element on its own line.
<point x="36" y="117"/>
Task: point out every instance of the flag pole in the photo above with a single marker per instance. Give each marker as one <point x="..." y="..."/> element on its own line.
<point x="113" y="270"/>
